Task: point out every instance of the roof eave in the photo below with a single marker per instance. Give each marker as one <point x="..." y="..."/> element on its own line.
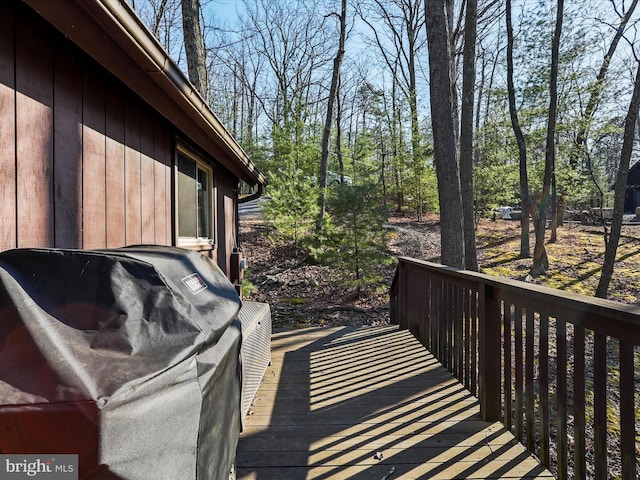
<point x="111" y="33"/>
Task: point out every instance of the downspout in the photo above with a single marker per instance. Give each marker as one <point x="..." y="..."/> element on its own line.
<point x="253" y="196"/>
<point x="238" y="262"/>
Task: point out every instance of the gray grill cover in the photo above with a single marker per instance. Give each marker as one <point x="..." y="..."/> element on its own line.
<point x="127" y="357"/>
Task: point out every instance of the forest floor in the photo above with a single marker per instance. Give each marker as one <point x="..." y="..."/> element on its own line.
<point x="304" y="294"/>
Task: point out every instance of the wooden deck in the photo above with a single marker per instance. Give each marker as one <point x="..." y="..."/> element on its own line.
<point x="370" y="403"/>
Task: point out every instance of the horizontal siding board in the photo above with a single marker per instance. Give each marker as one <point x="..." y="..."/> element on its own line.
<point x="67" y="169"/>
<point x="34" y="134"/>
<point x="7" y="132"/>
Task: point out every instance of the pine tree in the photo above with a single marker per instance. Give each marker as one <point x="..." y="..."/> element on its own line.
<point x="292" y="205"/>
<point x="293" y="197"/>
<point x="356" y="237"/>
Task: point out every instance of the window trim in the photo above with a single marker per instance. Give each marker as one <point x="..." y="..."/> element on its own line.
<point x="200" y="243"/>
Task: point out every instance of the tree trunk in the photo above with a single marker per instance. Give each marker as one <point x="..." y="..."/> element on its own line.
<point x="621" y="184"/>
<point x="326" y="134"/>
<point x="339" y="135"/>
<point x="466" y="134"/>
<point x="451" y="29"/>
<point x="416" y="150"/>
<point x="554" y="209"/>
<point x="540" y="260"/>
<point x="194" y="46"/>
<point x="525" y="250"/>
<point x="396" y="140"/>
<point x="416" y="143"/>
<point x="449" y="192"/>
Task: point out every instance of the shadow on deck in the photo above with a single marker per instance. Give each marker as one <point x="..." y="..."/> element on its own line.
<point x="336" y="400"/>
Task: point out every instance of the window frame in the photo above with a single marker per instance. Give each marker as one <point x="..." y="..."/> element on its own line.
<point x="196" y="242"/>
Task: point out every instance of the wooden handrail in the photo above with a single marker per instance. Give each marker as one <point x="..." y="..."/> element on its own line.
<point x="543" y="361"/>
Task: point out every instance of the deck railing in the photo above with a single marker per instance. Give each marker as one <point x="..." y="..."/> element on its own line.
<point x="558" y="369"/>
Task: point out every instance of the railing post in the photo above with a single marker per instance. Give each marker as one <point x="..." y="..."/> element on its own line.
<point x="489" y="354"/>
<point x="401" y="305"/>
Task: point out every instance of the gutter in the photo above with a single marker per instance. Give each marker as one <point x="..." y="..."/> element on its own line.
<point x="124" y="15"/>
<point x="112" y="33"/>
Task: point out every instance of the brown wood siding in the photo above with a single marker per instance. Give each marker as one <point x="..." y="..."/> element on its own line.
<point x="34" y="127"/>
<point x="133" y="225"/>
<point x="7" y="130"/>
<point x="84" y="163"/>
<point x="67" y="151"/>
<point x="225" y="217"/>
<point x="162" y="182"/>
<point x="147" y="180"/>
<point x="94" y="156"/>
<point x="115" y="196"/>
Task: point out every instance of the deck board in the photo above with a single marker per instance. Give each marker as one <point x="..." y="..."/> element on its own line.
<point x="334" y="398"/>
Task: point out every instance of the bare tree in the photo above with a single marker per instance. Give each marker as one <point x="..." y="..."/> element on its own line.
<point x="404" y="23"/>
<point x="326" y="134"/>
<point x="444" y="138"/>
<point x="520" y="140"/>
<point x="249" y="69"/>
<point x="232" y="54"/>
<point x="621" y="183"/>
<point x="595" y="92"/>
<point x="194" y="46"/>
<point x="466" y="134"/>
<point x="289" y="37"/>
<point x="393" y="117"/>
<point x="164" y="19"/>
<point x="158" y="14"/>
<point x="540" y="259"/>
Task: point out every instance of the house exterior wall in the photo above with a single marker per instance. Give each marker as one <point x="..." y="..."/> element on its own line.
<point x="632" y="193"/>
<point x="633" y="178"/>
<point x="84" y="162"/>
<point x="226" y="218"/>
<point x="631" y="199"/>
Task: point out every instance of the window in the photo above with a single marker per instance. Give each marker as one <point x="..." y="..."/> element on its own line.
<point x="195" y="201"/>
